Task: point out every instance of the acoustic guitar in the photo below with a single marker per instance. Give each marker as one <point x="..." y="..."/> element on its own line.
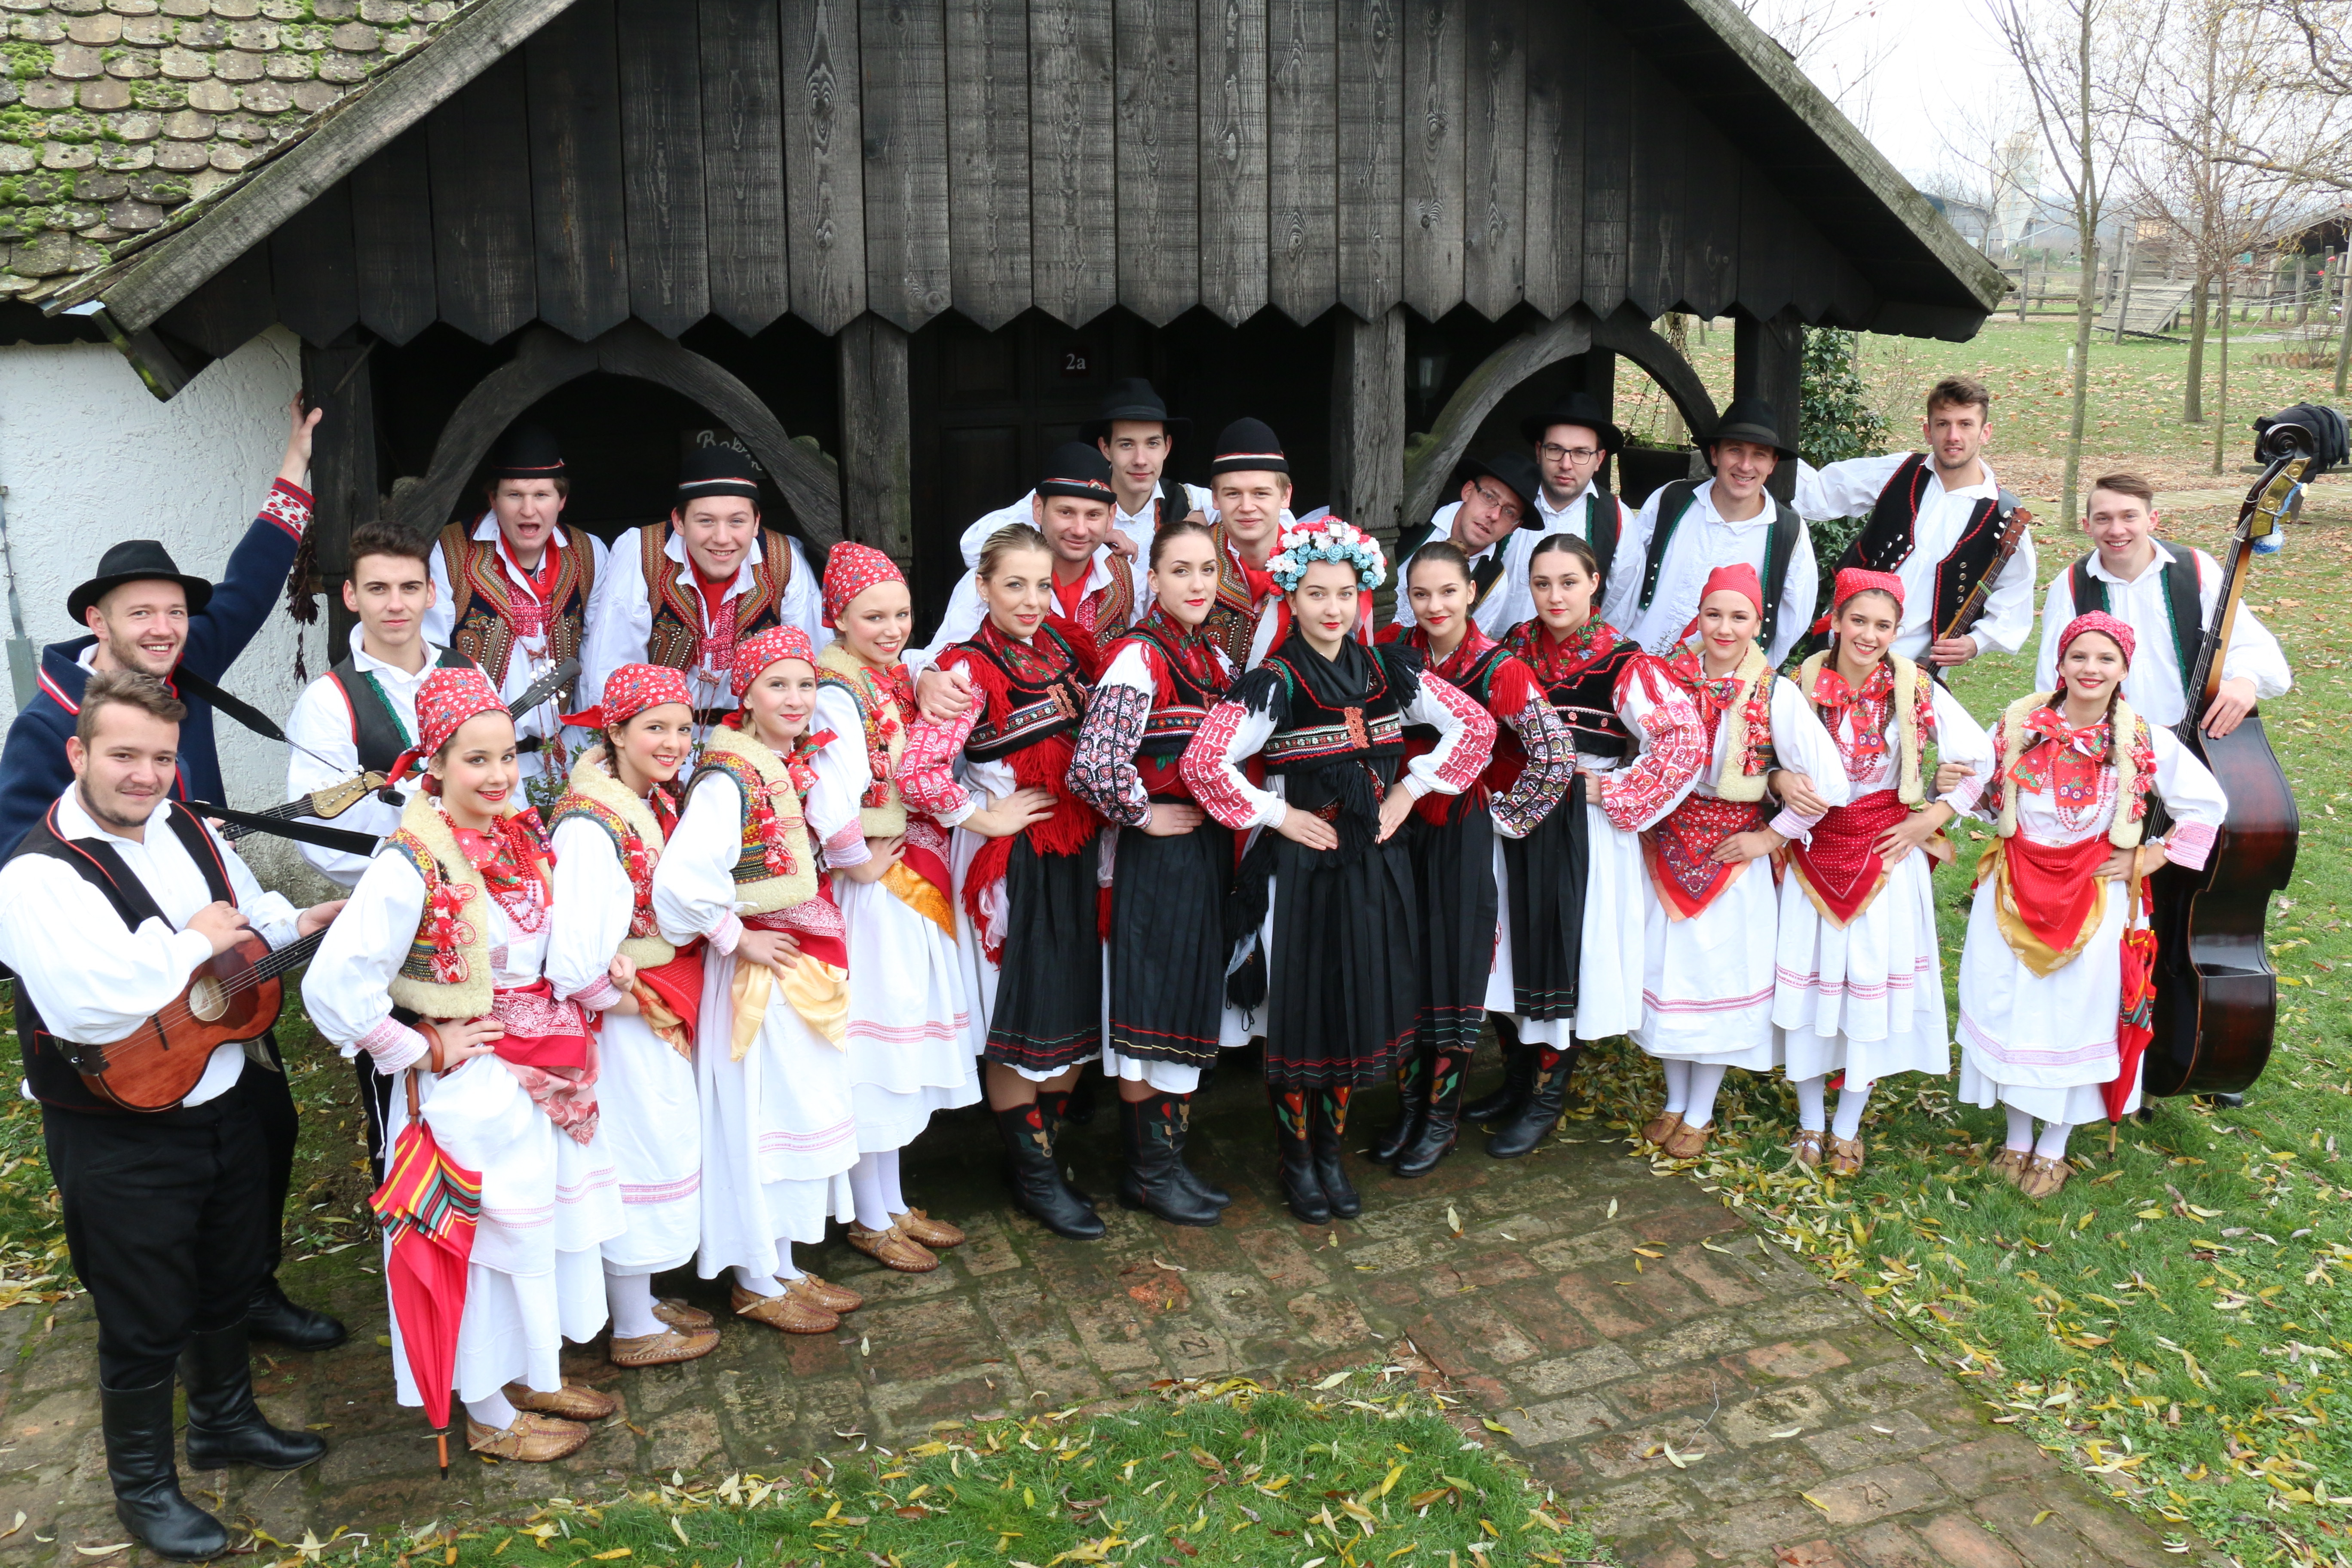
<point x="2216" y="993"/>
<point x="236" y="997"/>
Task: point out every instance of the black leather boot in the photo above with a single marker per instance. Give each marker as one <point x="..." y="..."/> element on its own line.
<point x="1330" y="1171"/>
<point x="1301" y="1188"/>
<point x="1207" y="1191"/>
<point x="225" y="1426"/>
<point x="1413" y="1101"/>
<point x="1440" y="1123"/>
<point x="1152" y="1134"/>
<point x="1510" y="1096"/>
<point x="1546" y="1097"/>
<point x="1055" y="1106"/>
<point x="138" y="1425"/>
<point x="273" y="1318"/>
<point x="1036" y="1178"/>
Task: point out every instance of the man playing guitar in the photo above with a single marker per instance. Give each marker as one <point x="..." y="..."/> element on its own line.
<point x="109" y="905"/>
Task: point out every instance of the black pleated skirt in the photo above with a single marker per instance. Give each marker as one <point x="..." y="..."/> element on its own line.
<point x="1547" y="871"/>
<point x="1454" y="878"/>
<point x="1168" y="947"/>
<point x="1345" y="979"/>
<point x="1048" y="1012"/>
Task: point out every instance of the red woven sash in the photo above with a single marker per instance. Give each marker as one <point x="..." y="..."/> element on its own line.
<point x="1839" y="867"/>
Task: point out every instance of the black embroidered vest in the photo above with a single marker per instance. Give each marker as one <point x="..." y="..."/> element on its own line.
<point x="377" y="731"/>
<point x="1887" y="540"/>
<point x="1038" y="703"/>
<point x="1173" y="723"/>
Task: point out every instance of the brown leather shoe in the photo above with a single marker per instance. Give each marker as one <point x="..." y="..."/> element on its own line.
<point x="832" y="1297"/>
<point x="2008" y="1166"/>
<point x="2043" y="1177"/>
<point x="934" y="1234"/>
<point x="894" y="1249"/>
<point x="533" y="1439"/>
<point x="1661" y="1127"/>
<point x="677" y="1314"/>
<point x="1845" y="1156"/>
<point x="1807" y="1148"/>
<point x="785" y="1312"/>
<point x="664" y="1348"/>
<point x="1686" y="1142"/>
<point x="572" y="1402"/>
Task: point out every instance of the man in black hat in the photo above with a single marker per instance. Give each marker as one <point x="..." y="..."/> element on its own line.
<point x="147" y="617"/>
<point x="1095" y="587"/>
<point x="683" y="593"/>
<point x="1572" y="440"/>
<point x="1491" y="523"/>
<point x="1136" y="434"/>
<point x="1690" y="527"/>
<point x="1249" y="506"/>
<point x="513" y="592"/>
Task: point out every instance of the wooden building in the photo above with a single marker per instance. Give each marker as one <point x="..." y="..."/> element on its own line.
<point x="897" y="248"/>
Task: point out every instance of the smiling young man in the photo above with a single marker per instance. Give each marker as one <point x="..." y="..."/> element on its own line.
<point x="1689" y="528"/>
<point x="111" y="900"/>
<point x="513" y="592"/>
<point x="2167" y="597"/>
<point x="1934" y="520"/>
<point x="684" y="591"/>
<point x="1491" y="525"/>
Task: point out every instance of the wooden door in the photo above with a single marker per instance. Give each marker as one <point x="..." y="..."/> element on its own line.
<point x="987" y="407"/>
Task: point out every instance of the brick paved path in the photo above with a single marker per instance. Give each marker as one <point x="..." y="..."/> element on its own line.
<point x="1768" y="1383"/>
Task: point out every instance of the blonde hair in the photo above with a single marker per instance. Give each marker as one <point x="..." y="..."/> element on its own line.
<point x="1011" y="538"/>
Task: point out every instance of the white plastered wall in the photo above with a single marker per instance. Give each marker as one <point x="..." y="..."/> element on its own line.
<point x="89" y="457"/>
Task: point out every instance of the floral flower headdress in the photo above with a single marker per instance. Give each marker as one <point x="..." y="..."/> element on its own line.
<point x="1325" y="539"/>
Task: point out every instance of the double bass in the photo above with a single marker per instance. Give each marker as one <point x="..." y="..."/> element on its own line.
<point x="2216" y="992"/>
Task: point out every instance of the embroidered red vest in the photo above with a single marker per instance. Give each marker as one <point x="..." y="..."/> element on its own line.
<point x="490" y="611"/>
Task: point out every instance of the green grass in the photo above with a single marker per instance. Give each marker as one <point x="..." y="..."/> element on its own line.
<point x="1361" y="1469"/>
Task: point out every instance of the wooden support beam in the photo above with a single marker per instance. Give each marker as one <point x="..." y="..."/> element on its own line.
<point x="342" y="466"/>
<point x="877" y="475"/>
<point x="1433" y="456"/>
<point x="1768" y="362"/>
<point x="1368" y="421"/>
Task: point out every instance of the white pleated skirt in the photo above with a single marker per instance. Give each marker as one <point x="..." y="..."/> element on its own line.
<point x="1708" y="982"/>
<point x="910" y="1029"/>
<point x="1611" y="946"/>
<point x="2044" y="1044"/>
<point x="652" y="1123"/>
<point x="1867" y="999"/>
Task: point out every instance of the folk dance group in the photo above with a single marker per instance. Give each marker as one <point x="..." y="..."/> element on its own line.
<point x="1155" y="790"/>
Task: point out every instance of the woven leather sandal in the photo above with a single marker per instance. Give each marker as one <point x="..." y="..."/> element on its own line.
<point x="1686" y="1142"/>
<point x="1661" y="1127"/>
<point x="893" y="1249"/>
<point x="2008" y="1166"/>
<point x="572" y="1402"/>
<point x="1847" y="1156"/>
<point x="677" y="1314"/>
<point x="2041" y="1177"/>
<point x="934" y="1234"/>
<point x="785" y="1312"/>
<point x="832" y="1297"/>
<point x="533" y="1439"/>
<point x="1807" y="1148"/>
<point x="665" y="1348"/>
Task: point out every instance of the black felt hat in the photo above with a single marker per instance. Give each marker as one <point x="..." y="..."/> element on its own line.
<point x="526" y="452"/>
<point x="135" y="561"/>
<point x="1248" y="446"/>
<point x="1133" y="398"/>
<point x="1078" y="468"/>
<point x="1578" y="408"/>
<point x="1751" y="419"/>
<point x="716" y="470"/>
<point x="1517" y="472"/>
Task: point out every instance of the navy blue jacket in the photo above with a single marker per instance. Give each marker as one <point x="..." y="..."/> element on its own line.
<point x="33" y="769"/>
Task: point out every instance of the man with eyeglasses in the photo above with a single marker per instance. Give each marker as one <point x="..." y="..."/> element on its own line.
<point x="1572" y="438"/>
<point x="1500" y="495"/>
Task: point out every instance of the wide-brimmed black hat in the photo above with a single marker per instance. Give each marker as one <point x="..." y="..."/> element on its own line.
<point x="1248" y="446"/>
<point x="526" y="452"/>
<point x="716" y="470"/>
<point x="1133" y="398"/>
<point x="1579" y="408"/>
<point x="1078" y="468"/>
<point x="1751" y="419"/>
<point x="1518" y="473"/>
<point x="136" y="561"/>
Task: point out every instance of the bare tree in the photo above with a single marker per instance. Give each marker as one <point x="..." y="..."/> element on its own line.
<point x="1810" y="30"/>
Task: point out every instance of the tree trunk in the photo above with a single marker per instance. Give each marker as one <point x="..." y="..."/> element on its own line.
<point x="2221" y="378"/>
<point x="2344" y="336"/>
<point x="2192" y="394"/>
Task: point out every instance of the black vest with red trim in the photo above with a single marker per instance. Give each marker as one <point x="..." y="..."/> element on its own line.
<point x="1180" y="702"/>
<point x="1335" y="758"/>
<point x="1475" y="676"/>
<point x="1586" y="700"/>
<point x="378" y="733"/>
<point x="677" y="631"/>
<point x="485" y="604"/>
<point x="49" y="1068"/>
<point x="1046" y="696"/>
<point x="1886" y="541"/>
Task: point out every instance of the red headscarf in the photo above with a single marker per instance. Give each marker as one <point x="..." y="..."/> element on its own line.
<point x="629" y="692"/>
<point x="1737" y="578"/>
<point x="850" y="570"/>
<point x="446" y="700"/>
<point x="2099" y="621"/>
<point x="775" y="642"/>
<point x="1857" y="580"/>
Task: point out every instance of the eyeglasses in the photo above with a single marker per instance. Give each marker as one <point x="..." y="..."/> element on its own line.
<point x="1552" y="453"/>
<point x="1506" y="508"/>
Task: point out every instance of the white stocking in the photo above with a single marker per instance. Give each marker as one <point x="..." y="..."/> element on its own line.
<point x="1810" y="1113"/>
<point x="631" y="1299"/>
<point x="2020" y="1131"/>
<point x="496" y="1411"/>
<point x="2051" y="1145"/>
<point x="1706" y="1078"/>
<point x="786" y="1269"/>
<point x="1678" y="1076"/>
<point x="892" y="1198"/>
<point x="1851" y="1100"/>
<point x="865" y="1188"/>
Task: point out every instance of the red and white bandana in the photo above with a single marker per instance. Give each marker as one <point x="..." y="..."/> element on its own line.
<point x="629" y="692"/>
<point x="1855" y="580"/>
<point x="2099" y="621"/>
<point x="447" y="699"/>
<point x="775" y="642"/>
<point x="850" y="570"/>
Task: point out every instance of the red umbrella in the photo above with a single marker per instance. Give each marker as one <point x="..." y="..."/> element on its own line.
<point x="428" y="1205"/>
<point x="2134" y="1010"/>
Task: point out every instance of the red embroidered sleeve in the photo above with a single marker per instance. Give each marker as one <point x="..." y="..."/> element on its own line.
<point x="1470" y="747"/>
<point x="1102" y="766"/>
<point x="287" y="506"/>
<point x="1550" y="749"/>
<point x="1214" y="781"/>
<point x="927" y="769"/>
<point x="1677" y="748"/>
